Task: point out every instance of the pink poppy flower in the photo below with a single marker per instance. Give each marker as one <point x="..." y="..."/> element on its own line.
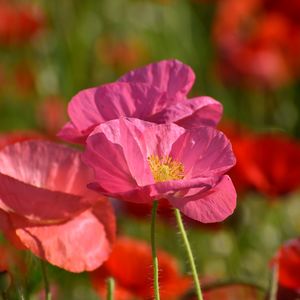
<point x="45" y="206"/>
<point x="156" y="93"/>
<point x="138" y="161"/>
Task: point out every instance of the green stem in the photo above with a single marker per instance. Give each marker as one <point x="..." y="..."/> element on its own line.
<point x="46" y="282"/>
<point x="110" y="288"/>
<point x="189" y="253"/>
<point x="154" y="255"/>
<point x="274" y="283"/>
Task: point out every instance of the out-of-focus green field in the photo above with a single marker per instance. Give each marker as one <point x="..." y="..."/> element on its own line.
<point x="87" y="43"/>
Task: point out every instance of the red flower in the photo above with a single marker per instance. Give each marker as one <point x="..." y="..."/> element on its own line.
<point x="273" y="164"/>
<point x="258" y="43"/>
<point x="232" y="292"/>
<point x="241" y="140"/>
<point x="19" y="22"/>
<point x="269" y="163"/>
<point x="121" y="54"/>
<point x="288" y="260"/>
<point x="51" y="114"/>
<point x="130" y="264"/>
<point x="10" y="259"/>
<point x="24" y="78"/>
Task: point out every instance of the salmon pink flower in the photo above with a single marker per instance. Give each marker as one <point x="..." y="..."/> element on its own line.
<point x="156" y="93"/>
<point x="138" y="161"/>
<point x="132" y="273"/>
<point x="45" y="206"/>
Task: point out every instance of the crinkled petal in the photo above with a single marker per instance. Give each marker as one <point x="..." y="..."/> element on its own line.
<point x="212" y="206"/>
<point x="46" y="165"/>
<point x="39" y="174"/>
<point x="169" y="76"/>
<point x="108" y="161"/>
<point x="37" y="204"/>
<point x="137" y="195"/>
<point x="81" y="244"/>
<point x="191" y="113"/>
<point x="204" y="152"/>
<point x="128" y="133"/>
<point x="71" y="134"/>
<point x="94" y="106"/>
<point x="160" y="138"/>
<point x="180" y="187"/>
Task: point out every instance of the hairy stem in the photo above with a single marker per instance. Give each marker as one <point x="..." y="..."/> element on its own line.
<point x="189" y="253"/>
<point x="154" y="255"/>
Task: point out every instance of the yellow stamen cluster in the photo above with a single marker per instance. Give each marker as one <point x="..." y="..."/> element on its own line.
<point x="165" y="168"/>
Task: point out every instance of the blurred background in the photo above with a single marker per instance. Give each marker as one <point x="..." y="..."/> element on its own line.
<point x="245" y="53"/>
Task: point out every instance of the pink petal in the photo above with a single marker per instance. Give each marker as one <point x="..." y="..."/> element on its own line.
<point x="204" y="152"/>
<point x="30" y="202"/>
<point x="180" y="187"/>
<point x="137" y="195"/>
<point x="39" y="174"/>
<point x="191" y="113"/>
<point x="160" y="138"/>
<point x="71" y="134"/>
<point x="94" y="106"/>
<point x="169" y="76"/>
<point x="212" y="206"/>
<point x="108" y="161"/>
<point x="81" y="244"/>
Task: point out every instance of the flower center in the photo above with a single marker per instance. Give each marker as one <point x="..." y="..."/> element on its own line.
<point x="165" y="168"/>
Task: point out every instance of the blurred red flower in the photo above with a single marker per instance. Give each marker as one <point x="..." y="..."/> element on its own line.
<point x="268" y="163"/>
<point x="241" y="140"/>
<point x="130" y="264"/>
<point x="24" y="78"/>
<point x="51" y="114"/>
<point x="10" y="259"/>
<point x="19" y="22"/>
<point x="273" y="164"/>
<point x="121" y="54"/>
<point x="258" y="43"/>
<point x="288" y="260"/>
<point x="232" y="292"/>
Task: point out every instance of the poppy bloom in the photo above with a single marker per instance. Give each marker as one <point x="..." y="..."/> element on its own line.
<point x="19" y="23"/>
<point x="259" y="43"/>
<point x="138" y="161"/>
<point x="288" y="260"/>
<point x="51" y="114"/>
<point x="272" y="164"/>
<point x="241" y="141"/>
<point x="45" y="206"/>
<point x="132" y="273"/>
<point x="156" y="93"/>
<point x="230" y="292"/>
<point x="120" y="54"/>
